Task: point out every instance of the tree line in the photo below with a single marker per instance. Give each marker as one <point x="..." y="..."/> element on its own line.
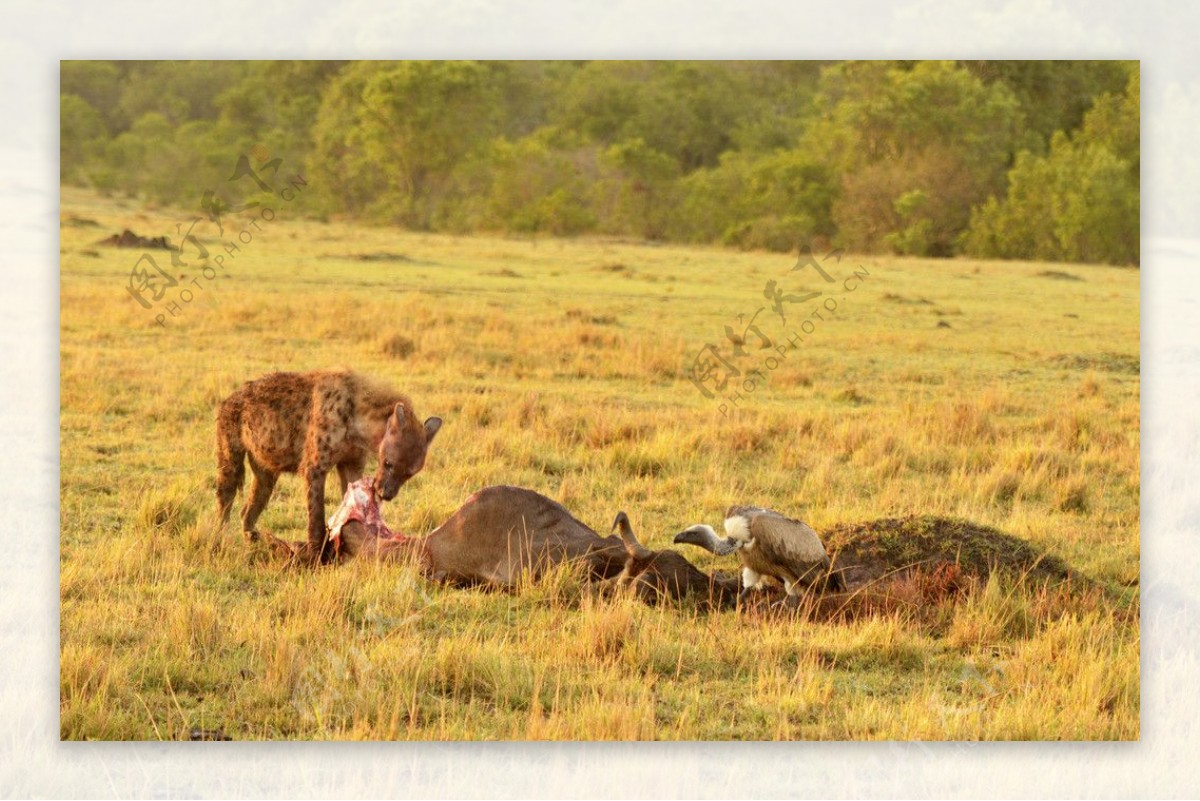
<point x="1003" y="159"/>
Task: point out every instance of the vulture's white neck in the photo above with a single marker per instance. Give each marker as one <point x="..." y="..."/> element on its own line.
<point x="712" y="542"/>
<point x="738" y="528"/>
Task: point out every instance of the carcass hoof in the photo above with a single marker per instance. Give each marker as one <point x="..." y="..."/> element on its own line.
<point x="310" y="554"/>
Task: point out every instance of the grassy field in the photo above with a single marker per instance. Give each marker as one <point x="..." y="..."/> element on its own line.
<point x="1004" y="394"/>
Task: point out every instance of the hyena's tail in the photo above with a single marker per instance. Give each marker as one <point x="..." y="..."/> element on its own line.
<point x="231" y="456"/>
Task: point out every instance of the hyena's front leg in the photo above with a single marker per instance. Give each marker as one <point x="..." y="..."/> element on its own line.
<point x="326" y="438"/>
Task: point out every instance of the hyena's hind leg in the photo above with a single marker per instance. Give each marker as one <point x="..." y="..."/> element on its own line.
<point x="231" y="472"/>
<point x="229" y="481"/>
<point x="261" y="487"/>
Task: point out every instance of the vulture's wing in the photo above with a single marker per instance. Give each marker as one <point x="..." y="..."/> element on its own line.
<point x="787" y="541"/>
<point x="746" y="511"/>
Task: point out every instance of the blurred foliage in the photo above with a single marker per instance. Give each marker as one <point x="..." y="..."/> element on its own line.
<point x="1020" y="159"/>
<point x="893" y="134"/>
<point x="1078" y="202"/>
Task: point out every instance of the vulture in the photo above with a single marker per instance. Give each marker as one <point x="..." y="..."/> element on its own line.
<point x="770" y="545"/>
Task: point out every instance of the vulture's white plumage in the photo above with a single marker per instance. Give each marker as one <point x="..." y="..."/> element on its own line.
<point x="770" y="545"/>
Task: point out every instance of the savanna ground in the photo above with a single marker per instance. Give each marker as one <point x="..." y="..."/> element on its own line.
<point x="1000" y="393"/>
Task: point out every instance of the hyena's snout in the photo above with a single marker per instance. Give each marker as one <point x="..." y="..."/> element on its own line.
<point x="392" y="475"/>
<point x="389" y="483"/>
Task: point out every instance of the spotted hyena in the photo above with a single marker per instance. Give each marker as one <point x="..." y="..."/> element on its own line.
<point x="310" y="423"/>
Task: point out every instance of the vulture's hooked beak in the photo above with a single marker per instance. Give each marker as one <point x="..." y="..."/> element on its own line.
<point x="706" y="539"/>
<point x="698" y="536"/>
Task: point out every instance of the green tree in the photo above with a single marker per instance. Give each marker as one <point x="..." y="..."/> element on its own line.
<point x="139" y="154"/>
<point x="542" y="183"/>
<point x="637" y="192"/>
<point x="775" y="201"/>
<point x="178" y="90"/>
<point x="174" y="164"/>
<point x="890" y="131"/>
<point x="1080" y="201"/>
<point x="347" y="180"/>
<point x="889" y="156"/>
<point x="1053" y="95"/>
<point x="82" y="136"/>
<point x="275" y="103"/>
<point x="389" y="137"/>
<point x="98" y="83"/>
<point x="686" y="110"/>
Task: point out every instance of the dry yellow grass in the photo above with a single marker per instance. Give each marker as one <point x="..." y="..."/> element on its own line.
<point x="562" y="366"/>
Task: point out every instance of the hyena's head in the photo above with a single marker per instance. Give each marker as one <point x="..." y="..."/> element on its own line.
<point x="402" y="451"/>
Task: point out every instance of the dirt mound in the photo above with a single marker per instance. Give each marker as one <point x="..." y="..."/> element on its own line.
<point x="128" y="239"/>
<point x="916" y="565"/>
<point x="1058" y="275"/>
<point x="893" y="547"/>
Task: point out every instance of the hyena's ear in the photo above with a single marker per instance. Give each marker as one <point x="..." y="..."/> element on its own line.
<point x="432" y="425"/>
<point x="398" y="414"/>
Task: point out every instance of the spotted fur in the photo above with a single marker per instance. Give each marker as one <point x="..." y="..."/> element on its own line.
<point x="311" y="423"/>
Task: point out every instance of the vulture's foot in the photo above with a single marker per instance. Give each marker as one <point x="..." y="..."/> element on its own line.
<point x="789" y="604"/>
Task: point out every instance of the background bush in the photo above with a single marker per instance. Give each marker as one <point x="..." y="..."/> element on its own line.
<point x="1035" y="160"/>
